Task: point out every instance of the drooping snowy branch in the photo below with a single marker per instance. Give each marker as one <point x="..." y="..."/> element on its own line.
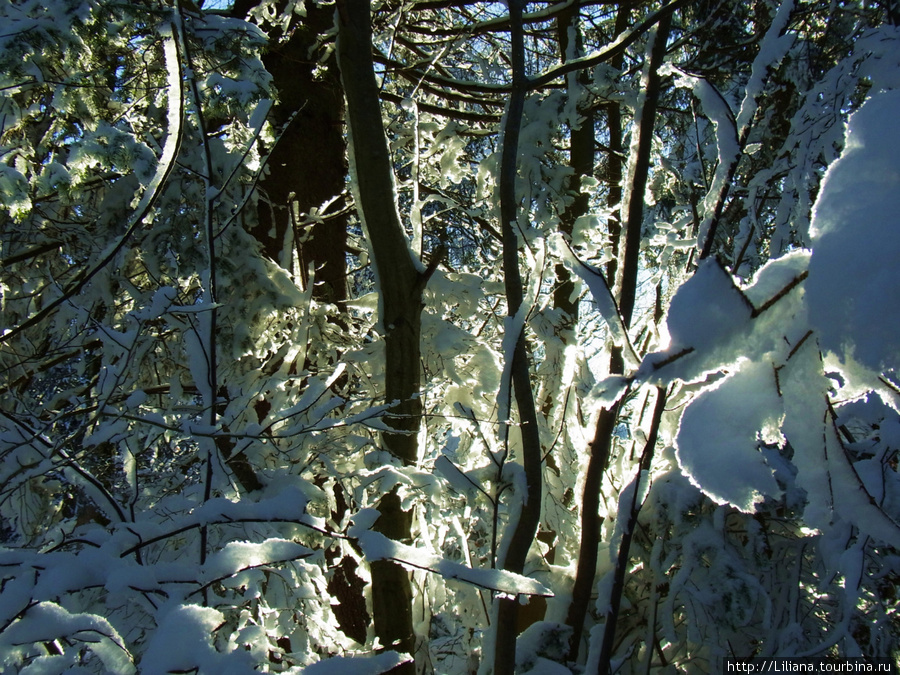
<point x="376" y="546"/>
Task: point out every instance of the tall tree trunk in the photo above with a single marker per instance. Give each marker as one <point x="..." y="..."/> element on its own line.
<point x="400" y="285"/>
<point x="614" y="156"/>
<point x="591" y="522"/>
<point x="581" y="160"/>
<point x="625" y="268"/>
<point x="601" y="446"/>
<point x="529" y="517"/>
<point x="615" y="600"/>
<point x="633" y="213"/>
<point x="639" y="171"/>
<point x="307" y="166"/>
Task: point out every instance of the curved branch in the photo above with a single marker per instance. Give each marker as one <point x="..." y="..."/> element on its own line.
<point x="175" y="116"/>
<point x="617" y="48"/>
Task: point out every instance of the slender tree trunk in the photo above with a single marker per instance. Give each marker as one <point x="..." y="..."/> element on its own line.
<point x="529" y="517"/>
<point x="615" y="600"/>
<point x="639" y="172"/>
<point x="581" y="159"/>
<point x="400" y="285"/>
<point x="553" y="399"/>
<point x="601" y="446"/>
<point x="586" y="569"/>
<point x="626" y="271"/>
<point x="614" y="157"/>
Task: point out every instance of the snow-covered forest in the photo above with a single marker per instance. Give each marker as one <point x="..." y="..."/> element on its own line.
<point x="448" y="336"/>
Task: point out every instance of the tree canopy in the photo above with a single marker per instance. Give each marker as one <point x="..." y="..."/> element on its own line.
<point x="447" y="336"/>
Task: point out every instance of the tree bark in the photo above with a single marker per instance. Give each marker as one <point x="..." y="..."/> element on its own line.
<point x="600" y="447"/>
<point x="614" y="156"/>
<point x="581" y="160"/>
<point x="526" y="526"/>
<point x="400" y="285"/>
<point x="307" y="166"/>
<point x="586" y="568"/>
<point x="627" y="246"/>
<point x="639" y="170"/>
<point x="615" y="600"/>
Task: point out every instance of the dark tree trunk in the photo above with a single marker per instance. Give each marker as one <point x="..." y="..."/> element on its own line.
<point x="614" y="157"/>
<point x="529" y="517"/>
<point x="307" y="166"/>
<point x="581" y="159"/>
<point x="633" y="207"/>
<point x="624" y="267"/>
<point x="591" y="522"/>
<point x="400" y="285"/>
<point x="615" y="599"/>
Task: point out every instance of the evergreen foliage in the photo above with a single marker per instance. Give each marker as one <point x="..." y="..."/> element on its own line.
<point x="579" y="331"/>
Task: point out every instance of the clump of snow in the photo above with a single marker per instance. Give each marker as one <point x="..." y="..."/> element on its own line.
<point x="541" y="648"/>
<point x="776" y="275"/>
<point x="184" y="641"/>
<point x="47" y="622"/>
<point x="852" y="290"/>
<point x="239" y="555"/>
<point x="835" y="490"/>
<point x="773" y="49"/>
<point x="601" y="293"/>
<point x="707" y="310"/>
<point x="717" y="444"/>
<point x="719" y="112"/>
<point x="457" y="479"/>
<point x="708" y="322"/>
